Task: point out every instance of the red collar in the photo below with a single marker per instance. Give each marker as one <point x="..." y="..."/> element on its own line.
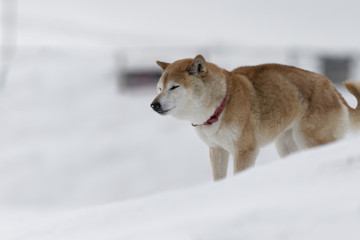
<point x="215" y="117"/>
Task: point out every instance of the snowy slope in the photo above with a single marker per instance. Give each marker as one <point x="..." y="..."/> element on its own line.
<point x="80" y="160"/>
<point x="69" y="140"/>
<point x="310" y="195"/>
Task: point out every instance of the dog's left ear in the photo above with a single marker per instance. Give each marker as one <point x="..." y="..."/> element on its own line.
<point x="198" y="66"/>
<point x="162" y="65"/>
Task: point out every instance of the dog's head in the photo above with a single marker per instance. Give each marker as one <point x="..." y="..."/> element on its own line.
<point x="185" y="89"/>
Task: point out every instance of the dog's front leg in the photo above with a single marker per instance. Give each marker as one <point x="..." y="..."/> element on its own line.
<point x="219" y="162"/>
<point x="244" y="159"/>
<point x="246" y="154"/>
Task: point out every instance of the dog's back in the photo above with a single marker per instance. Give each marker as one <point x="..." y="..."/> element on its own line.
<point x="295" y="105"/>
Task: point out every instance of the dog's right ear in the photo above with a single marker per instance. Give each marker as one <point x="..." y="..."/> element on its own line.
<point x="162" y="65"/>
<point x="198" y="66"/>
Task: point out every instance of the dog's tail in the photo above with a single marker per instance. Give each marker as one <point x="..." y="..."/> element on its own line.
<point x="354" y="89"/>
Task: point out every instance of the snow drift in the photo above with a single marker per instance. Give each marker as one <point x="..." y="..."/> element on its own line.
<point x="310" y="195"/>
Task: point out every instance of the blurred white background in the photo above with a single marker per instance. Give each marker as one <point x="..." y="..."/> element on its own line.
<point x="228" y="32"/>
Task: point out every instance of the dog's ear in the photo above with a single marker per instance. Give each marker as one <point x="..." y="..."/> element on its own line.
<point x="198" y="66"/>
<point x="162" y="65"/>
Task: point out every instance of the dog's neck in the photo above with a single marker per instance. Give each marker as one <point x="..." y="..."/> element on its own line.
<point x="215" y="117"/>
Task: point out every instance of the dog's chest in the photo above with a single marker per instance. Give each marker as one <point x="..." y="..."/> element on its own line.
<point x="214" y="136"/>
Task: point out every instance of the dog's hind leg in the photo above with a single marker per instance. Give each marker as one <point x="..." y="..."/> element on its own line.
<point x="319" y="129"/>
<point x="219" y="162"/>
<point x="285" y="143"/>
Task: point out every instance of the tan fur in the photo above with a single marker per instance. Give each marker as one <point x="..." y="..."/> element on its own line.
<point x="296" y="108"/>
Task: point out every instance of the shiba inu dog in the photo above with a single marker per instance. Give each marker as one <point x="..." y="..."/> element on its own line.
<point x="240" y="111"/>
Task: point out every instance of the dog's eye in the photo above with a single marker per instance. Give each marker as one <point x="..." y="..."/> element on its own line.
<point x="173" y="87"/>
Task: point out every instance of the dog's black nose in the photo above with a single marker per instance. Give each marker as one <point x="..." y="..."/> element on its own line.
<point x="156" y="106"/>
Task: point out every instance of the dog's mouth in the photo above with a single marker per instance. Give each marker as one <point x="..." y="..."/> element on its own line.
<point x="163" y="112"/>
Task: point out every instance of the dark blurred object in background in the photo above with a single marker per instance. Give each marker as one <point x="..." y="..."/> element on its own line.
<point x="337" y="69"/>
<point x="139" y="78"/>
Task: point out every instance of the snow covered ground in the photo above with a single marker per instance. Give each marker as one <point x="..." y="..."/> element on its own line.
<point x="81" y="160"/>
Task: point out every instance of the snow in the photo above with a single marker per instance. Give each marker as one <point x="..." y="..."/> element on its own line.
<point x="81" y="159"/>
<point x="71" y="127"/>
<point x="310" y="195"/>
